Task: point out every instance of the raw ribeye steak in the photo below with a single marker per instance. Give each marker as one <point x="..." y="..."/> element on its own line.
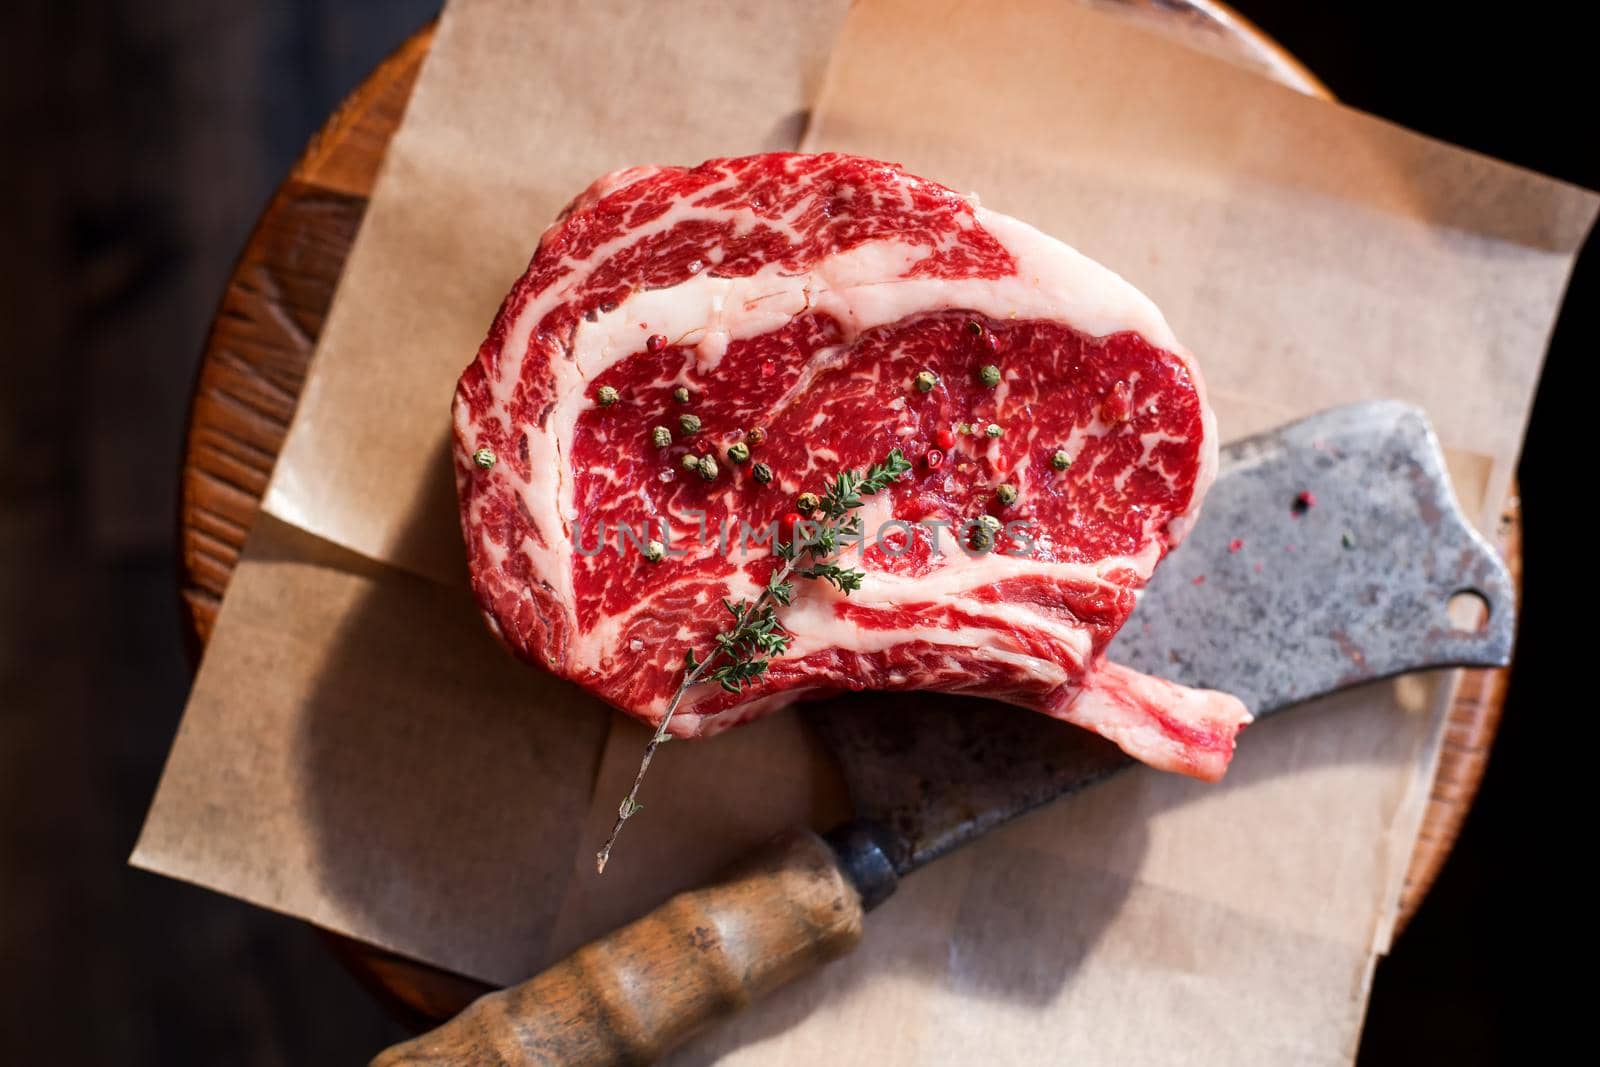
<point x="820" y="311"/>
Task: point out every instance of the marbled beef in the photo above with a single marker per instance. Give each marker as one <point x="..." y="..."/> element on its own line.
<point x="804" y="295"/>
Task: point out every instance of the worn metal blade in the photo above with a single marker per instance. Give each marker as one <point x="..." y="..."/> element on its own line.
<point x="1269" y="599"/>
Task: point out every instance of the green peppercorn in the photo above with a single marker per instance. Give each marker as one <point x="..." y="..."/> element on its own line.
<point x="689" y="424"/>
<point x="607" y="396"/>
<point x="993" y="430"/>
<point x="974" y="327"/>
<point x="661" y="437"/>
<point x="926" y="380"/>
<point x="681" y="395"/>
<point x="1061" y="461"/>
<point x="655" y="552"/>
<point x="989" y="375"/>
<point x="690" y="462"/>
<point x="761" y="473"/>
<point x="756" y="437"/>
<point x="981" y="535"/>
<point x="738" y="452"/>
<point x="484" y="457"/>
<point x="708" y="468"/>
<point x="1006" y="494"/>
<point x="807" y="503"/>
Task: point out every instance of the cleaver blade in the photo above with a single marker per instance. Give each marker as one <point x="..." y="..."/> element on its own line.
<point x="1327" y="555"/>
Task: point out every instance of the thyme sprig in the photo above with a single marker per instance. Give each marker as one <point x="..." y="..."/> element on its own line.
<point x="741" y="654"/>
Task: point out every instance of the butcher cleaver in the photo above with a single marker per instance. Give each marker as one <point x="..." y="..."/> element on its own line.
<point x="1327" y="555"/>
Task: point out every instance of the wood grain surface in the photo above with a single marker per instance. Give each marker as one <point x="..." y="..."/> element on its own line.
<point x="261" y="343"/>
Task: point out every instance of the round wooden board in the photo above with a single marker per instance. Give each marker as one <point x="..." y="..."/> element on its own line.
<point x="272" y="313"/>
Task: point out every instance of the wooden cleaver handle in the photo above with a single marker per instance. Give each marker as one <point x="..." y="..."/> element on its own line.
<point x="637" y="993"/>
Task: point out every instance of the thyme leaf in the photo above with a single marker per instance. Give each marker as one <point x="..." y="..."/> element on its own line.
<point x="842" y="579"/>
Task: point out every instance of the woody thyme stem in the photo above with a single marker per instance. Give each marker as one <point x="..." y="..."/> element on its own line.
<point x="630" y="804"/>
<point x="757" y="634"/>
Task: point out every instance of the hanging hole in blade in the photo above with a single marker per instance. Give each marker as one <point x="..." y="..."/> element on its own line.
<point x="1468" y="610"/>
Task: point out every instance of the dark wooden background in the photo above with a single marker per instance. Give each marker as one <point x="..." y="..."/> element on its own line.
<point x="139" y="139"/>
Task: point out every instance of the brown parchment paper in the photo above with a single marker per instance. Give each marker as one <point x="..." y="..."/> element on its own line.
<point x="356" y="754"/>
<point x="357" y="751"/>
